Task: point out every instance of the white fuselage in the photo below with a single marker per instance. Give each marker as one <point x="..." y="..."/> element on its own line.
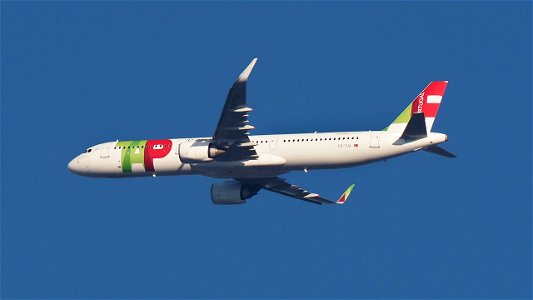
<point x="277" y="154"/>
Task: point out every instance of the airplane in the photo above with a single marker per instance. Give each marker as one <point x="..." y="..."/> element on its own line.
<point x="255" y="162"/>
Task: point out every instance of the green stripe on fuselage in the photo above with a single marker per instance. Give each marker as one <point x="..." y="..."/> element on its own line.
<point x="132" y="153"/>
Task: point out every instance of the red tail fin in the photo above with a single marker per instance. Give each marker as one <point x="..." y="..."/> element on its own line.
<point x="427" y="102"/>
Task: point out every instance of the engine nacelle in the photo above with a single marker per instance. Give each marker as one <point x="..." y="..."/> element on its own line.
<point x="232" y="192"/>
<point x="197" y="151"/>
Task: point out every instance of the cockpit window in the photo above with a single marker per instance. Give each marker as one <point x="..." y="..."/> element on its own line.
<point x="88" y="150"/>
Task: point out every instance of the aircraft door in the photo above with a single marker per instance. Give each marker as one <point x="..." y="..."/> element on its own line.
<point x="104" y="151"/>
<point x="374" y="139"/>
<point x="273" y="145"/>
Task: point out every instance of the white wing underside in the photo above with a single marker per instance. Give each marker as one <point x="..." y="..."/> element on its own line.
<point x="281" y="186"/>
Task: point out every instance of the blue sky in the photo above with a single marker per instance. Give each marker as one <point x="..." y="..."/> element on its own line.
<point x="78" y="73"/>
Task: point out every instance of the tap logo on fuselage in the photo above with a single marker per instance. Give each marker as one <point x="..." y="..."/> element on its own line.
<point x="143" y="153"/>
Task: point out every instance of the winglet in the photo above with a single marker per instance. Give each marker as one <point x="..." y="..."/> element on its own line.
<point x="345" y="195"/>
<point x="244" y="75"/>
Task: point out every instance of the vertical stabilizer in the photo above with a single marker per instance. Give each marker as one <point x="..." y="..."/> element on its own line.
<point x="427" y="102"/>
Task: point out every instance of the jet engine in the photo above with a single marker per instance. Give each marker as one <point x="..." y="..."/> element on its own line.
<point x="232" y="192"/>
<point x="197" y="151"/>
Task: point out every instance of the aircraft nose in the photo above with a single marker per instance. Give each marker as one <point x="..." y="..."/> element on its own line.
<point x="74" y="166"/>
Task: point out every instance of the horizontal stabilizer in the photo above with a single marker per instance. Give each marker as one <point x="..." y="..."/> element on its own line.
<point x="416" y="128"/>
<point x="440" y="151"/>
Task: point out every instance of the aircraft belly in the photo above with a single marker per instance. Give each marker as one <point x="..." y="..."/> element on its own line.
<point x="266" y="165"/>
<point x="251" y="172"/>
<point x="320" y="156"/>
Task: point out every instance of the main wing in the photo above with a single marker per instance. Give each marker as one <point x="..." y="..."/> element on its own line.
<point x="233" y="126"/>
<point x="281" y="186"/>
